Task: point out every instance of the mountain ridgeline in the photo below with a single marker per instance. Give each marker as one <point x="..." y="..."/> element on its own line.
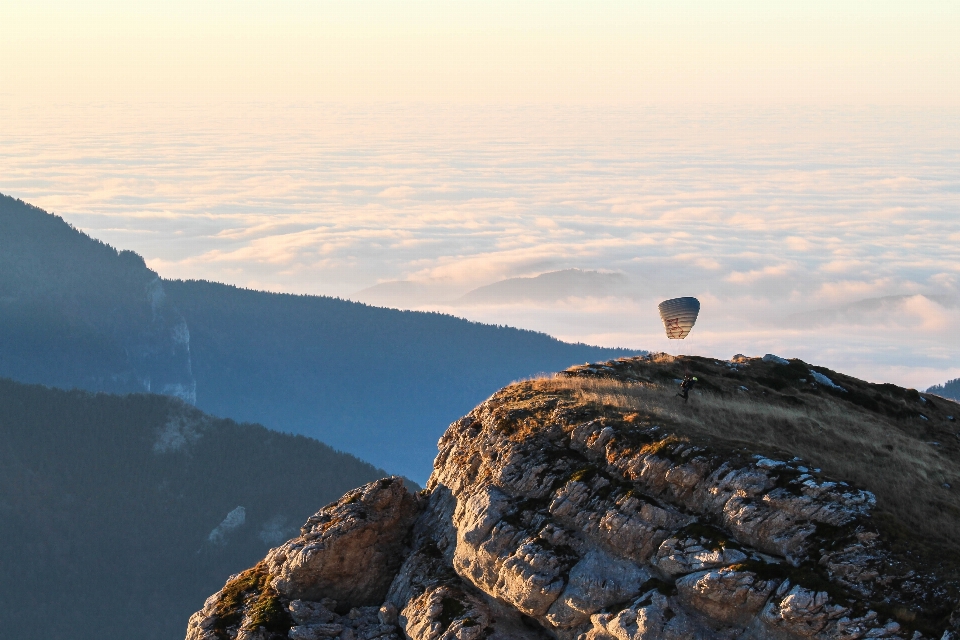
<point x="119" y="514"/>
<point x="74" y="312"/>
<point x="379" y="383"/>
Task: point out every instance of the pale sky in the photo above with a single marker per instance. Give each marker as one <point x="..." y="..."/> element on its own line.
<point x="761" y="52"/>
<point x="771" y="158"/>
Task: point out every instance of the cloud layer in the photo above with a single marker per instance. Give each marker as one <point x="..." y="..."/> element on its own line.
<point x="765" y="215"/>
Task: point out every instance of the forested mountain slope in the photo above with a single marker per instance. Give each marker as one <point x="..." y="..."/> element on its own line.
<point x="120" y="514"/>
<point x="380" y="383"/>
<point x="75" y="312"/>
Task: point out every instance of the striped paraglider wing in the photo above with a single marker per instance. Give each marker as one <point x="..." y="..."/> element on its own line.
<point x="679" y="315"/>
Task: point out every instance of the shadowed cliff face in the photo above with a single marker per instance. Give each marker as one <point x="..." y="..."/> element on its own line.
<point x="598" y="505"/>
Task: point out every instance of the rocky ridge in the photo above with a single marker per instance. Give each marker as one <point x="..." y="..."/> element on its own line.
<point x="547" y="516"/>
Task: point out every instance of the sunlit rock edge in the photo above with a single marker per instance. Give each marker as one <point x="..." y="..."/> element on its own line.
<point x="550" y="517"/>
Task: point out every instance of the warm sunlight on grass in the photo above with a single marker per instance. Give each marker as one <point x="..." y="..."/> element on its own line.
<point x="906" y="473"/>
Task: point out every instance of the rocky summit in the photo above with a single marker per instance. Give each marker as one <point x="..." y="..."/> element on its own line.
<point x="780" y="500"/>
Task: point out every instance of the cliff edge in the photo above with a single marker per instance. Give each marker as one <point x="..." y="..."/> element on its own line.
<point x="781" y="501"/>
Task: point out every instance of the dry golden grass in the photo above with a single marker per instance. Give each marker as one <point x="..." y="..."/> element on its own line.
<point x="849" y="443"/>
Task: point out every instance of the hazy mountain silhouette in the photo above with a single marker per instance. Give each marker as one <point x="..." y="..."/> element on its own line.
<point x="120" y="514"/>
<point x="545" y="288"/>
<point x="380" y="383"/>
<point x="864" y="311"/>
<point x="549" y="287"/>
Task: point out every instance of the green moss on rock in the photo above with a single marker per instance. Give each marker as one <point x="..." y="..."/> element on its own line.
<point x="249" y="600"/>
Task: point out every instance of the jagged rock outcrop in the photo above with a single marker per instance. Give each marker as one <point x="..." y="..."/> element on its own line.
<point x="548" y="516"/>
<point x="344" y="561"/>
<point x="349" y="553"/>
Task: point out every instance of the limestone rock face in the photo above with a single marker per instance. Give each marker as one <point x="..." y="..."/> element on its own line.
<point x="349" y="551"/>
<point x="547" y="517"/>
<point x="678" y="557"/>
<point x="343" y="562"/>
<point x="726" y="595"/>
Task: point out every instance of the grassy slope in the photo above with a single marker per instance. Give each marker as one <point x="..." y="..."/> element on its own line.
<point x="895" y="442"/>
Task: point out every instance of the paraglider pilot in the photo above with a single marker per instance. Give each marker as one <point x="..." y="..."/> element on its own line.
<point x="688" y="383"/>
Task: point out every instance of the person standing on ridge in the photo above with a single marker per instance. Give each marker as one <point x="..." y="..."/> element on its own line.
<point x="688" y="382"/>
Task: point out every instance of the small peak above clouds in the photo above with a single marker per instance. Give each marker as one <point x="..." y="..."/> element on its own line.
<point x="545" y="288"/>
<point x="553" y="286"/>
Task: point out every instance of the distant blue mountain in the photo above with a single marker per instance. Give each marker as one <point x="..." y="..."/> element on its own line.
<point x="382" y="384"/>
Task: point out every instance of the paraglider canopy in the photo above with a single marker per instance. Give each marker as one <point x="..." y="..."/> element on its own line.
<point x="679" y="315"/>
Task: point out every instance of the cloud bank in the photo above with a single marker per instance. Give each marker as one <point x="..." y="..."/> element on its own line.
<point x="765" y="215"/>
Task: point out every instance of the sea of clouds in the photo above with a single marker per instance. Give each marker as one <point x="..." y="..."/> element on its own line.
<point x="826" y="234"/>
